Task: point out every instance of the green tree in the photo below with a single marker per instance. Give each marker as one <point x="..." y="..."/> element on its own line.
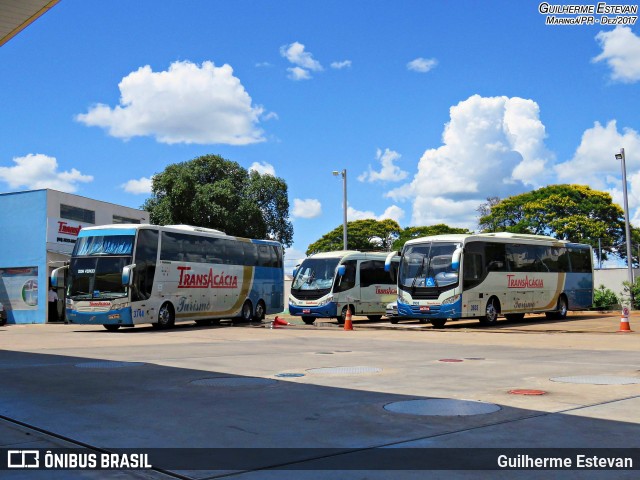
<point x="410" y="233"/>
<point x="567" y="212"/>
<point x="364" y="235"/>
<point x="210" y="191"/>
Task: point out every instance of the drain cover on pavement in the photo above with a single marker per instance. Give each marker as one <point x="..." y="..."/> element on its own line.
<point x="524" y="391"/>
<point x="234" y="382"/>
<point x="598" y="380"/>
<point x="344" y="370"/>
<point x="442" y="407"/>
<point x="108" y="364"/>
<point x="450" y="360"/>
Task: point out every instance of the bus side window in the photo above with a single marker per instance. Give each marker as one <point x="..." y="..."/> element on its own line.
<point x="472" y="273"/>
<point x="348" y="280"/>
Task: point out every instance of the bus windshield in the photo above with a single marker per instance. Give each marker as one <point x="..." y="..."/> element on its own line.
<point x="97" y="277"/>
<point x="427" y="265"/>
<point x="315" y="274"/>
<point x="104" y="245"/>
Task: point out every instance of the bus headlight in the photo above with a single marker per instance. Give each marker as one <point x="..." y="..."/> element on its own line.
<point x="326" y="301"/>
<point x="450" y="300"/>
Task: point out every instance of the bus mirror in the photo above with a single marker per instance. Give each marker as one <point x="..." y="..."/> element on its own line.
<point x="57" y="275"/>
<point x="455" y="259"/>
<point x="341" y="270"/>
<point x="295" y="272"/>
<point x="387" y="262"/>
<point x="127" y="274"/>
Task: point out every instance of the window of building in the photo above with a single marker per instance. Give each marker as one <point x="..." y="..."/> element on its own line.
<point x="119" y="219"/>
<point x="78" y="214"/>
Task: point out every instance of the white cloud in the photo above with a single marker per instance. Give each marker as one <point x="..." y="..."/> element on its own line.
<point x="292" y="257"/>
<point x="393" y="212"/>
<point x="263" y="168"/>
<point x="303" y="61"/>
<point x="389" y="172"/>
<point x="341" y="65"/>
<point x="594" y="163"/>
<point x="297" y="73"/>
<point x="142" y="185"/>
<point x="308" y="208"/>
<point x="185" y="104"/>
<point x="491" y="147"/>
<point x="422" y="65"/>
<point x="35" y="171"/>
<point x="621" y="51"/>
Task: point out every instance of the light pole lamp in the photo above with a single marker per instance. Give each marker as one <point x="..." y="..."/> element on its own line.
<point x="620" y="156"/>
<point x="343" y="173"/>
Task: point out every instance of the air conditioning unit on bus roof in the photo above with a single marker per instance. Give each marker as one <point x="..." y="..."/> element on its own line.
<point x="523" y="236"/>
<point x="191" y="228"/>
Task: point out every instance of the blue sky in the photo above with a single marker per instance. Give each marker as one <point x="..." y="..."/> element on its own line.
<point x="431" y="106"/>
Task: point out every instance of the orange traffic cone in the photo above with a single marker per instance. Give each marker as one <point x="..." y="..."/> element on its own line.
<point x="277" y="322"/>
<point x="624" y="323"/>
<point x="348" y="324"/>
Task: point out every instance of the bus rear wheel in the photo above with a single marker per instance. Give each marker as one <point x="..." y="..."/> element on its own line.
<point x="247" y="312"/>
<point x="111" y="327"/>
<point x="560" y="312"/>
<point x="258" y="315"/>
<point x="308" y="320"/>
<point x="491" y="312"/>
<point x="166" y="317"/>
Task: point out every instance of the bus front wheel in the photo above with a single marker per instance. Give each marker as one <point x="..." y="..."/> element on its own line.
<point x="308" y="320"/>
<point x="343" y="315"/>
<point x="491" y="312"/>
<point x="166" y="317"/>
<point x="438" y="322"/>
<point x="111" y="327"/>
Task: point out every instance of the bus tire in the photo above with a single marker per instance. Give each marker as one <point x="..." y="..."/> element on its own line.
<point x="560" y="313"/>
<point x="343" y="315"/>
<point x="438" y="322"/>
<point x="394" y="320"/>
<point x="246" y="314"/>
<point x="514" y="317"/>
<point x="111" y="327"/>
<point x="308" y="320"/>
<point x="374" y="318"/>
<point x="491" y="312"/>
<point x="166" y="317"/>
<point x="258" y="315"/>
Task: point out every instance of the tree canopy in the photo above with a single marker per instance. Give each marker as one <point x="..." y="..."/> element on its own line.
<point x="567" y="212"/>
<point x="365" y="235"/>
<point x="210" y="191"/>
<point x="410" y="233"/>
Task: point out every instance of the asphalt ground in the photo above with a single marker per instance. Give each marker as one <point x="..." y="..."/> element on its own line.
<point x="222" y="387"/>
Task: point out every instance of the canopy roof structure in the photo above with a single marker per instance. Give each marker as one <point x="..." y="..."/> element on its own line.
<point x="16" y="15"/>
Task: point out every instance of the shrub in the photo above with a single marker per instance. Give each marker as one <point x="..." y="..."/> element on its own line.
<point x="603" y="298"/>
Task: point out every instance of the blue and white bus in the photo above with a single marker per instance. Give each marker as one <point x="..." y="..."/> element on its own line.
<point x="124" y="275"/>
<point x="486" y="275"/>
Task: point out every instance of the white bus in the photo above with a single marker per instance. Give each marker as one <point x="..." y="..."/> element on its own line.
<point x="486" y="275"/>
<point x="124" y="275"/>
<point x="326" y="284"/>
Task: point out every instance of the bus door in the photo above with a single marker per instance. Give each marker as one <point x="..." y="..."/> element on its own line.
<point x="376" y="287"/>
<point x="344" y="291"/>
<point x="520" y="260"/>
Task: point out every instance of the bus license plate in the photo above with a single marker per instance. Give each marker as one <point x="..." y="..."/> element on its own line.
<point x="306" y="310"/>
<point x="424" y="308"/>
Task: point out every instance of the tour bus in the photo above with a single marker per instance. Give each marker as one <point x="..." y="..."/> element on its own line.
<point x="124" y="275"/>
<point x="501" y="274"/>
<point x="326" y="284"/>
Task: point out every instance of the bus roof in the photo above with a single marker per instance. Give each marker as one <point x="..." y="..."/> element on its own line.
<point x="500" y="237"/>
<point x="131" y="227"/>
<point x="348" y="253"/>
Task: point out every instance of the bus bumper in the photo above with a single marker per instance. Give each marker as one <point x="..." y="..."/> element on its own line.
<point x="330" y="310"/>
<point x="450" y="310"/>
<point x="112" y="317"/>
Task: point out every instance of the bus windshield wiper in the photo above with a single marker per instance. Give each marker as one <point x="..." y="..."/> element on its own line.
<point x="413" y="284"/>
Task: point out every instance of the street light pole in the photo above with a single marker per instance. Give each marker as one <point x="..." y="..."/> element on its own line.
<point x="620" y="156"/>
<point x="343" y="173"/>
